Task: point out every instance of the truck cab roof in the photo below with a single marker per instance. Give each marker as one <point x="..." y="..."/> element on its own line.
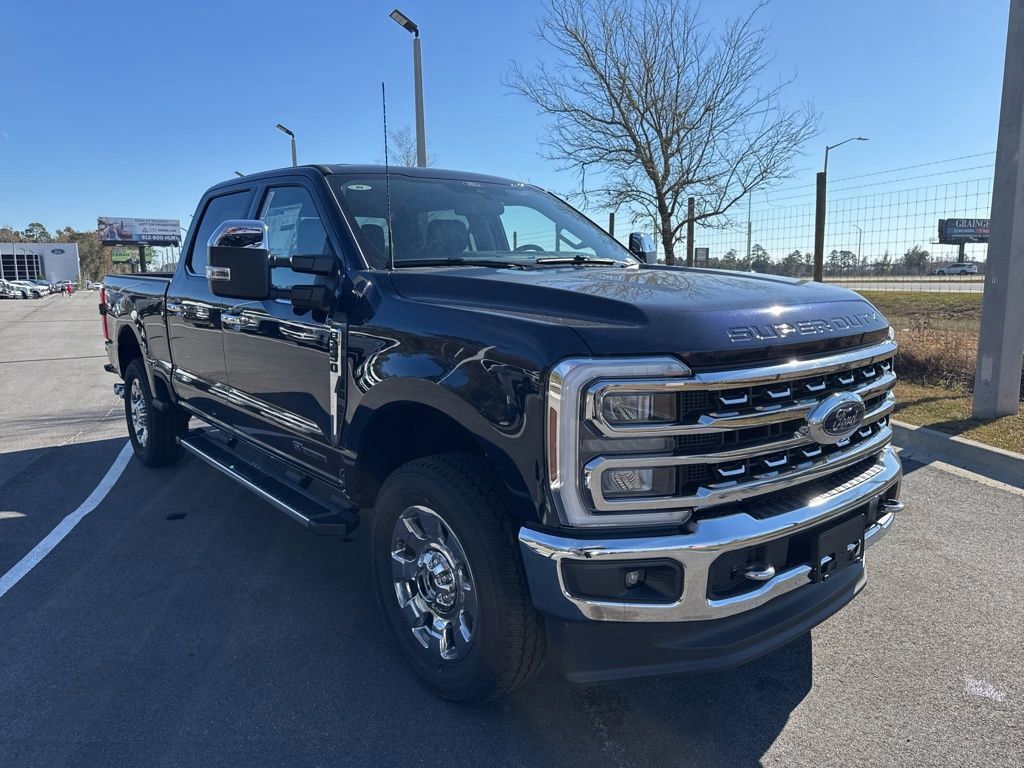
<point x="330" y="169"/>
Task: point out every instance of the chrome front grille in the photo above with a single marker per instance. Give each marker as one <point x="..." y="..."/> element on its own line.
<point x="740" y="434"/>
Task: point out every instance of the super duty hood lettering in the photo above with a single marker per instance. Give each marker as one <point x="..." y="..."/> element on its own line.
<point x="813" y="327"/>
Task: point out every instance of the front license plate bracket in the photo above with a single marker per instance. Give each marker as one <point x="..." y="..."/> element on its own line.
<point x="838" y="547"/>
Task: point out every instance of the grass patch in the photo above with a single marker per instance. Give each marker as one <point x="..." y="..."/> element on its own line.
<point x="949" y="411"/>
<point x="938" y="336"/>
<point x="917" y="309"/>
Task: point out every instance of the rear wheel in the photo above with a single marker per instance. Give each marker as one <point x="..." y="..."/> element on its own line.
<point x="153" y="432"/>
<point x="450" y="581"/>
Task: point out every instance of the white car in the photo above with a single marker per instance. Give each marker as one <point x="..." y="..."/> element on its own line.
<point x="29" y="290"/>
<point x="960" y="268"/>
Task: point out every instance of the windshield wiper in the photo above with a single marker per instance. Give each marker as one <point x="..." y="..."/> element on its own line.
<point x="579" y="258"/>
<point x="457" y="261"/>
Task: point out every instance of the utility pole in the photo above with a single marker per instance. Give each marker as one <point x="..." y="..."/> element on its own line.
<point x="819" y="228"/>
<point x="689" y="231"/>
<point x="750" y="228"/>
<point x="611" y="223"/>
<point x="1001" y="341"/>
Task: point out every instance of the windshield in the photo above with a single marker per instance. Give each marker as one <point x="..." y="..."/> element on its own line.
<point x="440" y="221"/>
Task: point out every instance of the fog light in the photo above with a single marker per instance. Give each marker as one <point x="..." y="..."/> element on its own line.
<point x="638" y="482"/>
<point x="634" y="578"/>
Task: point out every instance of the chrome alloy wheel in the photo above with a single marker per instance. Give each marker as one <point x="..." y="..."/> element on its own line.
<point x="433" y="583"/>
<point x="140" y="415"/>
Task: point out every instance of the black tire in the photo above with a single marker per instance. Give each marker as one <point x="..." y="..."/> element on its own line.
<point x="157" y="446"/>
<point x="508" y="644"/>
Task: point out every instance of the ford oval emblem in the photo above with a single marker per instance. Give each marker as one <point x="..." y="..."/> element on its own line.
<point x="56" y="250"/>
<point x="835" y="418"/>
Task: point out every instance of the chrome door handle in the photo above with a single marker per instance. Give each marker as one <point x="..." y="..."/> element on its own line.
<point x="298" y="335"/>
<point x="238" y="322"/>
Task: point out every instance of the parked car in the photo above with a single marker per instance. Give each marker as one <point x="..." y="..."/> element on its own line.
<point x="960" y="268"/>
<point x="561" y="449"/>
<point x="28" y="289"/>
<point x="9" y="291"/>
<point x="41" y="284"/>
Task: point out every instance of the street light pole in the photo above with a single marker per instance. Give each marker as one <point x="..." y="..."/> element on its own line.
<point x="819" y="212"/>
<point x="284" y="130"/>
<point x="417" y="71"/>
<point x="860" y="237"/>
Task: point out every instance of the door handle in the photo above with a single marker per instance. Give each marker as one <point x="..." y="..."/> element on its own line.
<point x="298" y="335"/>
<point x="238" y="322"/>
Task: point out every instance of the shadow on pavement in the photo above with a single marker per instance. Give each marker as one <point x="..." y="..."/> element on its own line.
<point x="185" y="622"/>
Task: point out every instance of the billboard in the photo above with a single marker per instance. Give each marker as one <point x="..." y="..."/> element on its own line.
<point x="115" y="230"/>
<point x="957" y="231"/>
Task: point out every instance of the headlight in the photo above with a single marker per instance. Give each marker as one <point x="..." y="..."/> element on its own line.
<point x="594" y="415"/>
<point x="639" y="409"/>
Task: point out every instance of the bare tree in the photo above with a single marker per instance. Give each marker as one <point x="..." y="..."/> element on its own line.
<point x="402" y="147"/>
<point x="662" y="107"/>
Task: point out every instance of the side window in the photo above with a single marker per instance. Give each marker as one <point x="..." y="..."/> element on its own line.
<point x="293" y="227"/>
<point x="218" y="210"/>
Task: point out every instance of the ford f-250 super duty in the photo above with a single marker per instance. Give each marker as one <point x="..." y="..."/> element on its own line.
<point x="561" y="449"/>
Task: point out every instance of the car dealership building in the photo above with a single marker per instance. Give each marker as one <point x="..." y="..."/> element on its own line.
<point x="39" y="261"/>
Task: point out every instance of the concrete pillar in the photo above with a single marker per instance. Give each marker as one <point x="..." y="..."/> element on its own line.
<point x="1001" y="345"/>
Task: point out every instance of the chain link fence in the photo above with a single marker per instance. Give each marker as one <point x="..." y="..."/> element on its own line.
<point x="881" y="239"/>
<point x="885" y="240"/>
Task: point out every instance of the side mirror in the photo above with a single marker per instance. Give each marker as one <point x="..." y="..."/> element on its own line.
<point x="238" y="261"/>
<point x="642" y="246"/>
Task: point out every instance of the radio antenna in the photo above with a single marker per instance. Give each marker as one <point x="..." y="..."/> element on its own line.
<point x="387" y="177"/>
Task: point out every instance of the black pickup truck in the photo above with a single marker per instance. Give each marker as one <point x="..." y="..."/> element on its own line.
<point x="562" y="449"/>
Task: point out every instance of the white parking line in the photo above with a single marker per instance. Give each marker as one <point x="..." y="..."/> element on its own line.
<point x="54" y="537"/>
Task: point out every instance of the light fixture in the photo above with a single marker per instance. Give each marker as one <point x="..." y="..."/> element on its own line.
<point x="405" y="21"/>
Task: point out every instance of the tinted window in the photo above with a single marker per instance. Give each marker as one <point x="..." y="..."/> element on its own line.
<point x="293" y="227"/>
<point x="438" y="219"/>
<point x="218" y="210"/>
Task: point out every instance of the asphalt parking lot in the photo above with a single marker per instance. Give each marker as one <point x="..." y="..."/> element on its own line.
<point x="185" y="622"/>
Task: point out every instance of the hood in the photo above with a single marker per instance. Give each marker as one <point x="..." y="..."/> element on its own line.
<point x="654" y="310"/>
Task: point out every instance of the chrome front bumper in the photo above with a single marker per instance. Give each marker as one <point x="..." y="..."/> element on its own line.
<point x="543" y="554"/>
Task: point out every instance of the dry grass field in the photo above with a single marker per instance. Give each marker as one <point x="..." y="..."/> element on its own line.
<point x="938" y="337"/>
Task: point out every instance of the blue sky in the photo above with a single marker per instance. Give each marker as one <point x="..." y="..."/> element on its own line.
<point x="134" y="108"/>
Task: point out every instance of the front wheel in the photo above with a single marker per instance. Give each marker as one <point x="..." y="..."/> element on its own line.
<point x="941" y="272"/>
<point x="450" y="581"/>
<point x="153" y="432"/>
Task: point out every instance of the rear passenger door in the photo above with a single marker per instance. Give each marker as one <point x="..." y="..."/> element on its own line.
<point x="279" y="358"/>
<point x="194" y="314"/>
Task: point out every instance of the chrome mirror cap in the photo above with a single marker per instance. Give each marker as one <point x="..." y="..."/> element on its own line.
<point x="239" y="233"/>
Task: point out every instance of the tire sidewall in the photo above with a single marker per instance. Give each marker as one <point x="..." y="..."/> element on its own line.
<point x="133" y="372"/>
<point x="470" y="676"/>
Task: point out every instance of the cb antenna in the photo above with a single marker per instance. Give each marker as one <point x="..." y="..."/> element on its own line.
<point x="387" y="177"/>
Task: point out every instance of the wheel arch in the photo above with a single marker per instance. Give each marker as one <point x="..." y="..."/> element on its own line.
<point x="402" y="431"/>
